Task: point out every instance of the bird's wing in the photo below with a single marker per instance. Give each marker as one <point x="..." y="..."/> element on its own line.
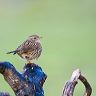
<point x="25" y="46"/>
<point x="39" y="50"/>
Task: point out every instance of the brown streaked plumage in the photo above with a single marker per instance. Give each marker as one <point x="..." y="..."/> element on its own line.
<point x="30" y="49"/>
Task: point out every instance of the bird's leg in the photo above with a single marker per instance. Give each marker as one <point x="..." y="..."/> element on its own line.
<point x="29" y="61"/>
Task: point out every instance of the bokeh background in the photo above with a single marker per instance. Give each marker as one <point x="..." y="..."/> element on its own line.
<point x="68" y="28"/>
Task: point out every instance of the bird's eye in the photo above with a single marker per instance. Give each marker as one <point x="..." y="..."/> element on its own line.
<point x="34" y="37"/>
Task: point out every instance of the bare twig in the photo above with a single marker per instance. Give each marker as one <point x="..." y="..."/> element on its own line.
<point x="70" y="85"/>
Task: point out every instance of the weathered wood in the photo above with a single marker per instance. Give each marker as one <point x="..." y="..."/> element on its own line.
<point x="70" y="85"/>
<point x="29" y="83"/>
<point x="88" y="88"/>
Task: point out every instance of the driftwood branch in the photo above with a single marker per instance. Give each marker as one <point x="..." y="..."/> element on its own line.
<point x="29" y="83"/>
<point x="87" y="85"/>
<point x="70" y="85"/>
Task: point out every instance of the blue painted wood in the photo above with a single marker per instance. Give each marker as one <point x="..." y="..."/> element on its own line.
<point x="28" y="83"/>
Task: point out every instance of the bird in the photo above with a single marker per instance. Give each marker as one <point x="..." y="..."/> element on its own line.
<point x="30" y="49"/>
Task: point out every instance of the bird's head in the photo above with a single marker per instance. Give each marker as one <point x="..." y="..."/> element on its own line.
<point x="35" y="38"/>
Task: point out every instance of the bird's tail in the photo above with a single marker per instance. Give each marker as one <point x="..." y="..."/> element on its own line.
<point x="14" y="52"/>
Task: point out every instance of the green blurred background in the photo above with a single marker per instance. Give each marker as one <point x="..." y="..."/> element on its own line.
<point x="68" y="28"/>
